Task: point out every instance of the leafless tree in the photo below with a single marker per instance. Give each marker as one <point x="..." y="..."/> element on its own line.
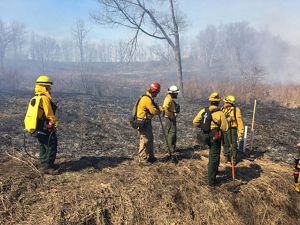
<point x="80" y="32"/>
<point x="5" y="40"/>
<point x="44" y="50"/>
<point x="161" y="53"/>
<point x="146" y="18"/>
<point x="18" y="38"/>
<point x="67" y="49"/>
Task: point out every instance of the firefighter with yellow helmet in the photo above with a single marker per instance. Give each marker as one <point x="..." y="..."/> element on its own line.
<point x="212" y="121"/>
<point x="40" y="121"/>
<point x="235" y="132"/>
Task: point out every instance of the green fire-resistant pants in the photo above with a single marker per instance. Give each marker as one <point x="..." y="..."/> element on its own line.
<point x="48" y="149"/>
<point x="214" y="160"/>
<point x="171" y="131"/>
<point x="227" y="142"/>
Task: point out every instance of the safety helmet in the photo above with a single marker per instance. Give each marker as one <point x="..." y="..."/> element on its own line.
<point x="173" y="89"/>
<point x="230" y="99"/>
<point x="155" y="87"/>
<point x="44" y="80"/>
<point x="214" y="97"/>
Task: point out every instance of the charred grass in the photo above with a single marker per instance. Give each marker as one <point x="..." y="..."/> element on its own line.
<point x="100" y="182"/>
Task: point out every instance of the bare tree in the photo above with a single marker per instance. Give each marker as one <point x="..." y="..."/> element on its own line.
<point x="80" y="32"/>
<point x="44" y="50"/>
<point x="144" y="17"/>
<point x="5" y="40"/>
<point x="18" y="38"/>
<point x="67" y="47"/>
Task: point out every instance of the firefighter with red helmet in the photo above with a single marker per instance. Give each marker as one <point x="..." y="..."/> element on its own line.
<point x="146" y="110"/>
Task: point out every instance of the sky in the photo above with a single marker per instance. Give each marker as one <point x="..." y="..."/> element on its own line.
<point x="56" y="17"/>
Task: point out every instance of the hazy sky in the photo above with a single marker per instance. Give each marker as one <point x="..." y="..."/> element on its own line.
<point x="56" y="17"/>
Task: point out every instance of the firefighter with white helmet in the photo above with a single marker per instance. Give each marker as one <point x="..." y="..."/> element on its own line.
<point x="170" y="112"/>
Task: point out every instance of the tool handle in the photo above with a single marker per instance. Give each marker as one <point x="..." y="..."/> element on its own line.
<point x="231" y="151"/>
<point x="163" y="130"/>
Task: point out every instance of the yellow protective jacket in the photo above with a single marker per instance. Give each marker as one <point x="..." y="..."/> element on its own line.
<point x="236" y="120"/>
<point x="169" y="108"/>
<point x="146" y="109"/>
<point x="218" y="117"/>
<point x="45" y="107"/>
<point x="297" y="188"/>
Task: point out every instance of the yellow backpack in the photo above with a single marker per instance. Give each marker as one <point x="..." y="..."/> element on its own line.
<point x="31" y="116"/>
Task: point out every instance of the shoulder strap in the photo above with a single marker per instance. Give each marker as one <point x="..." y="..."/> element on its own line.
<point x="213" y="111"/>
<point x="234" y="112"/>
<point x="138" y="101"/>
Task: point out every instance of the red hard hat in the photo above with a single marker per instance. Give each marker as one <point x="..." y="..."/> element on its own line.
<point x="155" y="87"/>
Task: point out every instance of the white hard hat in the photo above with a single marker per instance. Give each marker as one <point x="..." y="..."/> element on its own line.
<point x="173" y="89"/>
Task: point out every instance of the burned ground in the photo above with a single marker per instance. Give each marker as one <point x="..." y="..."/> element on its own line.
<point x="98" y="126"/>
<point x="100" y="181"/>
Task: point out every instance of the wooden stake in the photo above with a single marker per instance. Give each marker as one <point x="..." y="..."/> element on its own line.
<point x="245" y="139"/>
<point x="252" y="126"/>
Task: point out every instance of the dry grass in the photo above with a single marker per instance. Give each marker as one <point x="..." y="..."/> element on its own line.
<point x="284" y="95"/>
<point x="163" y="193"/>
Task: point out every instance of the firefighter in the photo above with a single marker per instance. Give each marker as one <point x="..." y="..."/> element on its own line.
<point x="216" y="121"/>
<point x="235" y="132"/>
<point x="46" y="123"/>
<point x="146" y="110"/>
<point x="170" y="112"/>
<point x="297" y="170"/>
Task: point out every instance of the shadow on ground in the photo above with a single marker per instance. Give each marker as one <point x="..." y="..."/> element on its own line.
<point x="186" y="153"/>
<point x="91" y="162"/>
<point x="242" y="176"/>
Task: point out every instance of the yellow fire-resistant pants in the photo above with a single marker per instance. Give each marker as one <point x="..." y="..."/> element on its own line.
<point x="146" y="143"/>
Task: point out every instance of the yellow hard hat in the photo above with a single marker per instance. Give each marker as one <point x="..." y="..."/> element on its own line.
<point x="214" y="97"/>
<point x="44" y="80"/>
<point x="230" y="99"/>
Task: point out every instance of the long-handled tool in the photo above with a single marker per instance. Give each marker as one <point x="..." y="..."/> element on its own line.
<point x="252" y="126"/>
<point x="173" y="157"/>
<point x="231" y="153"/>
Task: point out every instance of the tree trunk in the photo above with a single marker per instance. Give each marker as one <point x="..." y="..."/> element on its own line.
<point x="2" y="56"/>
<point x="179" y="66"/>
<point x="177" y="50"/>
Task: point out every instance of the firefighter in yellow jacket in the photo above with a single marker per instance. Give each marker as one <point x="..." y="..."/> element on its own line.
<point x="216" y="124"/>
<point x="235" y="132"/>
<point x="146" y="110"/>
<point x="46" y="124"/>
<point x="170" y="111"/>
<point x="297" y="170"/>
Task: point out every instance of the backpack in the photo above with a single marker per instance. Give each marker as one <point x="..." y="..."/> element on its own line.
<point x="134" y="122"/>
<point x="31" y="117"/>
<point x="207" y="119"/>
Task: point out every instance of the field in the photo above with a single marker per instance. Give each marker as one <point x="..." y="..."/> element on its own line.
<point x="100" y="181"/>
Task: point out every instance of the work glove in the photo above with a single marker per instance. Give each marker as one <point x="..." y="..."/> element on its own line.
<point x="51" y="127"/>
